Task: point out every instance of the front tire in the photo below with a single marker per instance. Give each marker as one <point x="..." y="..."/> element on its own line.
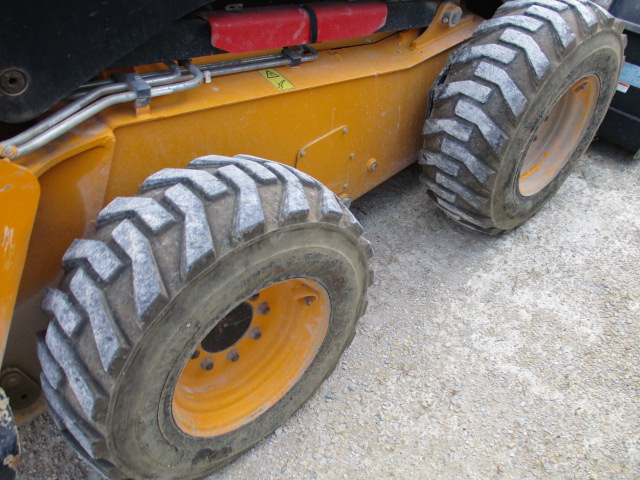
<point x="516" y="107"/>
<point x="203" y="314"/>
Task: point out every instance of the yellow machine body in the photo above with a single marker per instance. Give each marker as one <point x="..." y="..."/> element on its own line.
<point x="352" y="118"/>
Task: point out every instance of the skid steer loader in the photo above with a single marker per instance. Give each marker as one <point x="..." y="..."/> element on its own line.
<point x="183" y="294"/>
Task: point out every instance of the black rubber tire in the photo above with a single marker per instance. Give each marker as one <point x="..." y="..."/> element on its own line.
<point x="161" y="270"/>
<point x="495" y="92"/>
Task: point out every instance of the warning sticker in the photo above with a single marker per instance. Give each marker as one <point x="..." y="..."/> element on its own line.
<point x="276" y="79"/>
<point x="630" y="75"/>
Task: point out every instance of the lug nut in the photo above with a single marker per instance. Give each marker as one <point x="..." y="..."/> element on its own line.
<point x="206" y="363"/>
<point x="263" y="308"/>
<point x="233" y="355"/>
<point x="255" y="297"/>
<point x="309" y="300"/>
<point x="255" y="333"/>
<point x="195" y="354"/>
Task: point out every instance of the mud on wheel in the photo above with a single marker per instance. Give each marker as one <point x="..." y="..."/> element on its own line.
<point x="516" y="107"/>
<point x="203" y="313"/>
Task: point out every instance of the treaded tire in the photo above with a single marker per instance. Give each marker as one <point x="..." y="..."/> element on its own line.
<point x="494" y="95"/>
<point x="162" y="269"/>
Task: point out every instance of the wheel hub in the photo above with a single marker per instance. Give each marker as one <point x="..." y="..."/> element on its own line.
<point x="251" y="358"/>
<point x="559" y="135"/>
<point x="228" y="330"/>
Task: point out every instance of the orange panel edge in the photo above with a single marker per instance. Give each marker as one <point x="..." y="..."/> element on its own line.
<point x="19" y="196"/>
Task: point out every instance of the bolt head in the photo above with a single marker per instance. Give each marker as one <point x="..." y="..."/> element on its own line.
<point x="263" y="308"/>
<point x="12" y="380"/>
<point x="207" y="363"/>
<point x="345" y="130"/>
<point x="13" y="81"/>
<point x="233" y="355"/>
<point x="255" y="333"/>
<point x="303" y="153"/>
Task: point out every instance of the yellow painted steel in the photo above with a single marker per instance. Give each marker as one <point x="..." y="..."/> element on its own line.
<point x="19" y="193"/>
<point x="357" y="111"/>
<point x="219" y="397"/>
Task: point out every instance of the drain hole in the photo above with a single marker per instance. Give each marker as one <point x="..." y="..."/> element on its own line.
<point x="229" y="330"/>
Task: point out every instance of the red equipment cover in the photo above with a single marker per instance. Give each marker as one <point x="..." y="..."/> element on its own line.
<point x="262" y="28"/>
<point x="338" y="20"/>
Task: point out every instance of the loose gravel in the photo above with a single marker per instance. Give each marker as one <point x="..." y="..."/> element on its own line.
<point x="516" y="357"/>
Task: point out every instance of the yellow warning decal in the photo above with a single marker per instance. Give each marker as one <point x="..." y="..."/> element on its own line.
<point x="276" y="79"/>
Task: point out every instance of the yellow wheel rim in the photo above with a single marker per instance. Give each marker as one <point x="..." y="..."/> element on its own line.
<point x="559" y="135"/>
<point x="251" y="358"/>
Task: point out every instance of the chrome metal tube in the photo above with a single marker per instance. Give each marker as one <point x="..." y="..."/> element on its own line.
<point x="87" y="99"/>
<point x="66" y="112"/>
<point x="152" y="78"/>
<point x="65" y="125"/>
<point x="108" y="93"/>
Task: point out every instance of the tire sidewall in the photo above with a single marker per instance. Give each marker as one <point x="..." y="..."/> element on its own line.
<point x="320" y="252"/>
<point x="599" y="55"/>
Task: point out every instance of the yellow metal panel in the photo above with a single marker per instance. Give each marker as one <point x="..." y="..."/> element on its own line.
<point x="19" y="193"/>
<point x="73" y="182"/>
<point x="379" y="91"/>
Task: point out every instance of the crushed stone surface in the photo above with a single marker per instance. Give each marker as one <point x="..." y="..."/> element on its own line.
<point x="509" y="357"/>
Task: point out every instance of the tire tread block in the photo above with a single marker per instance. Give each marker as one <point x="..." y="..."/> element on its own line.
<point x="469" y="88"/>
<point x="243" y="162"/>
<point x="478" y="169"/>
<point x="197" y="243"/>
<point x="538" y="61"/>
<point x="146" y="211"/>
<point x="491" y="51"/>
<point x="294" y="204"/>
<point x="475" y="115"/>
<point x="513" y="96"/>
<point x="110" y="341"/>
<point x="561" y="28"/>
<point x="200" y="180"/>
<point x="249" y="214"/>
<point x="58" y="307"/>
<point x="86" y="390"/>
<point x="453" y="127"/>
<point x="101" y="260"/>
<point x="513" y="21"/>
<point x="148" y="287"/>
<point x="50" y="367"/>
<point x="87" y="437"/>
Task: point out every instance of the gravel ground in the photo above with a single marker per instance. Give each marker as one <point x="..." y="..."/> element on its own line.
<point x="513" y="357"/>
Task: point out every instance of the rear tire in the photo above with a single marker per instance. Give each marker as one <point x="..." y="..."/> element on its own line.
<point x="516" y="107"/>
<point x="205" y="311"/>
